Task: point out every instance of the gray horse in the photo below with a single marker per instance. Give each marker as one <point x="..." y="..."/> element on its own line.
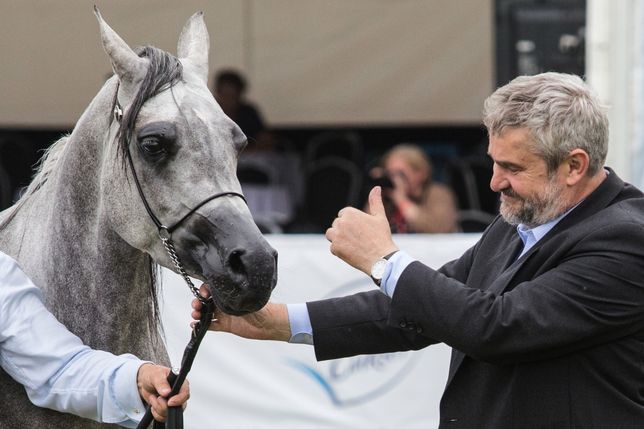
<point x="81" y="231"/>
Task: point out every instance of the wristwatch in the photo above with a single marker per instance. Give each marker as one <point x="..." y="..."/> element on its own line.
<point x="378" y="269"/>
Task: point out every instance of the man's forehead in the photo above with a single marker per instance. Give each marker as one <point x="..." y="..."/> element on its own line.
<point x="514" y="145"/>
<point x="518" y="139"/>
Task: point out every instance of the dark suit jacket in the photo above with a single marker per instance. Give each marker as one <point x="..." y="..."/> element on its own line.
<point x="554" y="339"/>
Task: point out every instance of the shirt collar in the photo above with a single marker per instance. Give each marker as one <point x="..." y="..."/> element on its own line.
<point x="538" y="232"/>
<point x="530" y="236"/>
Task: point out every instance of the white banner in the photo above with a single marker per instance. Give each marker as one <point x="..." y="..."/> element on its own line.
<point x="239" y="383"/>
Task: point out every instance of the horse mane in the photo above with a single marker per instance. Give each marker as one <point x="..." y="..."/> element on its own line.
<point x="45" y="166"/>
<point x="164" y="71"/>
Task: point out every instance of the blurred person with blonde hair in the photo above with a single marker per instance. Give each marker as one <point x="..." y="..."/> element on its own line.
<point x="413" y="201"/>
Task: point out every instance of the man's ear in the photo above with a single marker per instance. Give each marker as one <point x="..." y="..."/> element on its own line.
<point x="576" y="166"/>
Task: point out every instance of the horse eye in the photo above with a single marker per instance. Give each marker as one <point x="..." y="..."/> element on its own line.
<point x="152" y="145"/>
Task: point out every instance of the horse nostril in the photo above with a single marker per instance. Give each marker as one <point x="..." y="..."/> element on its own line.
<point x="235" y="261"/>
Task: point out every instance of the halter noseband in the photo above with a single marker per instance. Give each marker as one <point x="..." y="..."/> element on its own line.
<point x="165" y="231"/>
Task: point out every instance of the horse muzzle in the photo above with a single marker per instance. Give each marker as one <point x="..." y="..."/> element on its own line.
<point x="246" y="281"/>
<point x="234" y="260"/>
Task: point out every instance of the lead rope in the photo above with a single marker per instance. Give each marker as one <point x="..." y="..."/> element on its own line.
<point x="174" y="419"/>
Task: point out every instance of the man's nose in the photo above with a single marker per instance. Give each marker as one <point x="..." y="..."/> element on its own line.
<point x="498" y="181"/>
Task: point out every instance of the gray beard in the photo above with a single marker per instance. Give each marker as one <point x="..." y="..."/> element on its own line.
<point x="536" y="211"/>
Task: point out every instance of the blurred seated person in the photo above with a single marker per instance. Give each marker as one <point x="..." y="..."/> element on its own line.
<point x="413" y="202"/>
<point x="229" y="87"/>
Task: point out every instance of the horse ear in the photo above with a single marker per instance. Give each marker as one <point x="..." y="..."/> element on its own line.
<point x="126" y="63"/>
<point x="194" y="44"/>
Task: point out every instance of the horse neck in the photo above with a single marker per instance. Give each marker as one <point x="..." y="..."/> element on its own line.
<point x="93" y="281"/>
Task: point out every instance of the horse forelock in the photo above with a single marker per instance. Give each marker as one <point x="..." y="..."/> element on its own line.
<point x="164" y="71"/>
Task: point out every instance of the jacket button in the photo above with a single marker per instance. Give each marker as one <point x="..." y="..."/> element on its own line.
<point x="403" y="323"/>
<point x="419" y="329"/>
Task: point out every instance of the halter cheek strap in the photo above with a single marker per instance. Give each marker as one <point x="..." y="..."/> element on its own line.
<point x="164" y="231"/>
<point x="155" y="219"/>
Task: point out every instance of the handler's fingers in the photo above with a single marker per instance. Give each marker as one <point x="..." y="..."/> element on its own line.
<point x="182" y="397"/>
<point x="204" y="291"/>
<point x="159" y="407"/>
<point x="160" y="382"/>
<point x="196" y="304"/>
<point x="196" y="309"/>
<point x="196" y="315"/>
<point x="376" y="207"/>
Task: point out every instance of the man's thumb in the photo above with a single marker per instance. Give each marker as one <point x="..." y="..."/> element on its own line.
<point x="376" y="208"/>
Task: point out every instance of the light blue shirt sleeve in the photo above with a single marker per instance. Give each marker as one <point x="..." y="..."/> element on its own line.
<point x="300" y="323"/>
<point x="298" y="314"/>
<point x="57" y="370"/>
<point x="394" y="269"/>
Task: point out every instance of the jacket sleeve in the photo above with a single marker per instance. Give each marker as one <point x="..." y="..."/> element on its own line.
<point x="357" y="324"/>
<point x="360" y="323"/>
<point x="594" y="294"/>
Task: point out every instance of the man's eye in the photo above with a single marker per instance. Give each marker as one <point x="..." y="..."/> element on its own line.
<point x="152" y="145"/>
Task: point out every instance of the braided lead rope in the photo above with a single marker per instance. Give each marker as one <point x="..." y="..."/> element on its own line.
<point x="175" y="414"/>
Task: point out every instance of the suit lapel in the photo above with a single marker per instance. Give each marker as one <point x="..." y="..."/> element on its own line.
<point x="506" y="260"/>
<point x="506" y="263"/>
<point x="606" y="192"/>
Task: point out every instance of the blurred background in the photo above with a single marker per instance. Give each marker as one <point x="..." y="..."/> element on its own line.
<point x="329" y="86"/>
<point x="335" y="96"/>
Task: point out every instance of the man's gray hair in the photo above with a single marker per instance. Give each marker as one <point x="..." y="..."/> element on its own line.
<point x="559" y="110"/>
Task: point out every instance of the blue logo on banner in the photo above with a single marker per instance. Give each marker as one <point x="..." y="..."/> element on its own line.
<point x="359" y="379"/>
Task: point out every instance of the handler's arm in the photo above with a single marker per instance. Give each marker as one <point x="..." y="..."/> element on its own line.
<point x="57" y="370"/>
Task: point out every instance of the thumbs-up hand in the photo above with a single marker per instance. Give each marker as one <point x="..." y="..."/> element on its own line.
<point x="360" y="238"/>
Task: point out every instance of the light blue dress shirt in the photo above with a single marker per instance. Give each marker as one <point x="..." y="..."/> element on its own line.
<point x="300" y="322"/>
<point x="57" y="370"/>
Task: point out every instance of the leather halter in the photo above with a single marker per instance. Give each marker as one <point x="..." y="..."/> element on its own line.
<point x="167" y="230"/>
<point x="164" y="231"/>
<point x="175" y="414"/>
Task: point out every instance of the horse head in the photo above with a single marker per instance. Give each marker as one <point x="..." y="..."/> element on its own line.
<point x="179" y="149"/>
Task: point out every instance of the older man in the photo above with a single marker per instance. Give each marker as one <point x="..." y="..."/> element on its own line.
<point x="545" y="314"/>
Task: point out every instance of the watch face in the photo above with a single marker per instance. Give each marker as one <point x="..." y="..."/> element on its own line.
<point x="378" y="269"/>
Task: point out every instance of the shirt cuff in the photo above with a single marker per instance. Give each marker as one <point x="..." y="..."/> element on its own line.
<point x="393" y="270"/>
<point x="300" y="323"/>
<point x="129" y="401"/>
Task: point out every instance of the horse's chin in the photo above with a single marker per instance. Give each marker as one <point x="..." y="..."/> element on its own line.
<point x="238" y="307"/>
